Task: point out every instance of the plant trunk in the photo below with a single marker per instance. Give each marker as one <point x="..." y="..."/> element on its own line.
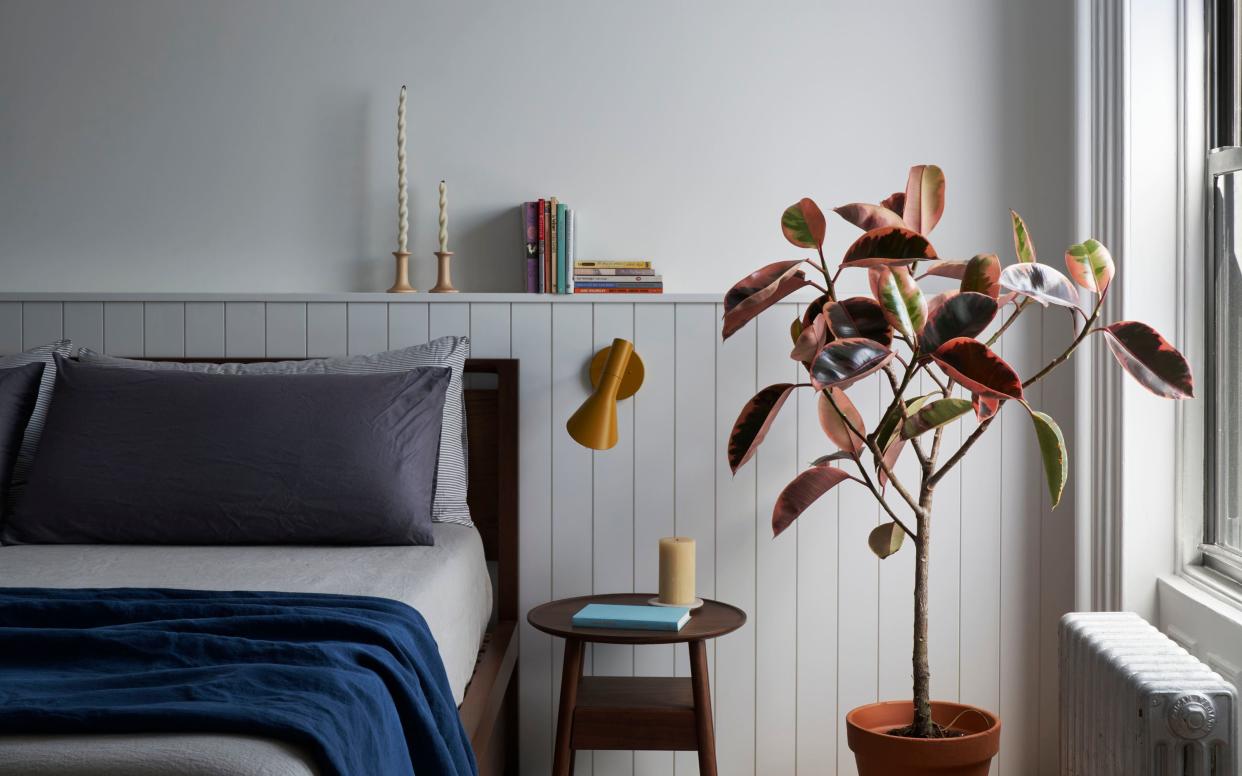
<point x="922" y="725"/>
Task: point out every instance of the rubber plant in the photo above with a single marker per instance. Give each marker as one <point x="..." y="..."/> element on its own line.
<point x="898" y="333"/>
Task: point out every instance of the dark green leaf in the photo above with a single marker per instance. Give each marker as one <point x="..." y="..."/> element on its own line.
<point x="964" y="314"/>
<point x="982" y="274"/>
<point x="888" y="245"/>
<point x="859" y="316"/>
<point x="1052" y="450"/>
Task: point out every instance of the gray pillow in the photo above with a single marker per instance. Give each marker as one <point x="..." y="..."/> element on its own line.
<point x="44" y="354"/>
<point x="451" y="352"/>
<point x="163" y="457"/>
<point x="19" y="389"/>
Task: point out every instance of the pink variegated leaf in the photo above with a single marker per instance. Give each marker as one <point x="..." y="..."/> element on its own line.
<point x="984" y="406"/>
<point x="901" y="298"/>
<point x="891" y="454"/>
<point x="1039" y="282"/>
<point x="888" y="245"/>
<point x="811" y="339"/>
<point x="867" y="217"/>
<point x="753" y="422"/>
<point x="833" y="425"/>
<point x="978" y="369"/>
<point x="982" y="275"/>
<point x="947" y="268"/>
<point x="895" y="202"/>
<point x="803" y="491"/>
<point x="1150" y="359"/>
<point x="844" y="362"/>
<point x="760" y="290"/>
<point x="1090" y="265"/>
<point x="804" y="225"/>
<point x="924" y="198"/>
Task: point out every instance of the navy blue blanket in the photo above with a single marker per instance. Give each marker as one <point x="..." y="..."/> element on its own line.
<point x="356" y="682"/>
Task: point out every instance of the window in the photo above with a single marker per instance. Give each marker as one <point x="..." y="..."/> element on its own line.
<point x="1222" y="545"/>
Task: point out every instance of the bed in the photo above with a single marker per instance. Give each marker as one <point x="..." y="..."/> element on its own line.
<point x="474" y="630"/>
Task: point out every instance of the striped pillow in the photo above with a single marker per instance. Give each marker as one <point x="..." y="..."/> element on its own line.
<point x="449" y="502"/>
<point x="38" y="418"/>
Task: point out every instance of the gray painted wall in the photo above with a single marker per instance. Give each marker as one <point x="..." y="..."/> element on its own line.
<point x="167" y="145"/>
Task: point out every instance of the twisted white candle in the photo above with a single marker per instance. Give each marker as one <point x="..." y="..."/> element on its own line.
<point x="403" y="203"/>
<point x="443" y="217"/>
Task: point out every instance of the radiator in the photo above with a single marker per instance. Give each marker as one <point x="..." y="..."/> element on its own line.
<point x="1134" y="703"/>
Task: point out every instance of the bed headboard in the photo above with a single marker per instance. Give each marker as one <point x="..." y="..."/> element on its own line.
<point x="492" y="431"/>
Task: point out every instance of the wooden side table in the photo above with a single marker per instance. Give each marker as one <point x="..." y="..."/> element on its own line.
<point x="634" y="712"/>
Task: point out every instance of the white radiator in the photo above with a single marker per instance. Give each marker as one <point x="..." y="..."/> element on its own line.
<point x="1134" y="703"/>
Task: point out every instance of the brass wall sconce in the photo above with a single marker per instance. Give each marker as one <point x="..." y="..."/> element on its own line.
<point x="616" y="373"/>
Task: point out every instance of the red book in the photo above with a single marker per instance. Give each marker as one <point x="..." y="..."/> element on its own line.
<point x="581" y="290"/>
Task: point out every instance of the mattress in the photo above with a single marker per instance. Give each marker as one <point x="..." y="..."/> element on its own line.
<point x="447" y="583"/>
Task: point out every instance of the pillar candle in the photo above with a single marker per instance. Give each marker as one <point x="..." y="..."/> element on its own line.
<point x="677" y="570"/>
<point x="403" y="202"/>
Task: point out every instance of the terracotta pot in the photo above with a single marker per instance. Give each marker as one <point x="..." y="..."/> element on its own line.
<point x="879" y="754"/>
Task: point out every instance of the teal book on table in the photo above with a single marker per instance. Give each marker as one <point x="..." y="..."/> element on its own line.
<point x="664" y="618"/>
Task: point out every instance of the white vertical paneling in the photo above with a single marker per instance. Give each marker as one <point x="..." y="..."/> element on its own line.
<point x="828" y="625"/>
<point x="42" y="322"/>
<point x="695" y="484"/>
<point x="448" y="319"/>
<point x="1022" y="490"/>
<point x="367" y="326"/>
<point x="653" y="485"/>
<point x="123" y="329"/>
<point x="573" y="546"/>
<point x="84" y="325"/>
<point x="531" y="339"/>
<point x="10" y="327"/>
<point x="817" y="599"/>
<point x="163" y="325"/>
<point x="735" y="557"/>
<point x="204" y="329"/>
<point x="407" y="324"/>
<point x="1056" y="537"/>
<point x="326" y="329"/>
<point x="613" y="519"/>
<point x="489" y="330"/>
<point x="286" y="329"/>
<point x="776" y="599"/>
<point x="858" y="586"/>
<point x="245" y="330"/>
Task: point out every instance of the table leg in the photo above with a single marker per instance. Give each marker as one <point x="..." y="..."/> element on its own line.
<point x="703" y="708"/>
<point x="571" y="674"/>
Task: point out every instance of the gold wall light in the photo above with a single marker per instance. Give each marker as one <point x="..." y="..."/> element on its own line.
<point x="616" y="373"/>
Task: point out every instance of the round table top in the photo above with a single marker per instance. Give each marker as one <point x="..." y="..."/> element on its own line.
<point x="710" y="620"/>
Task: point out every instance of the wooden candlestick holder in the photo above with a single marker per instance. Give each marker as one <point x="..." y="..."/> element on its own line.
<point x="444" y="278"/>
<point x="402" y="285"/>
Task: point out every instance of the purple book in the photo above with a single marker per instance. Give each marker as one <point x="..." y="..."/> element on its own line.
<point x="530" y="238"/>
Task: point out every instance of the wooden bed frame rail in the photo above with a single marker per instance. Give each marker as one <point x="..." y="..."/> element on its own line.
<point x="489" y="711"/>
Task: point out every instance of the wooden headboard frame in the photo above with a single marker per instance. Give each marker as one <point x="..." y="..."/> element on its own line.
<point x="492" y="431"/>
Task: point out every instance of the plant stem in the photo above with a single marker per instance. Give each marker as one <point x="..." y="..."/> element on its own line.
<point x="831" y="291"/>
<point x="922" y="725"/>
<point x="1008" y="322"/>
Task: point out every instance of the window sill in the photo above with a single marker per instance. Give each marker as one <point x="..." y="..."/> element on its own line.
<point x="1204" y="616"/>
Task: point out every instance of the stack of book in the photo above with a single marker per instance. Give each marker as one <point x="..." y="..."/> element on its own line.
<point x="616" y="277"/>
<point x="549" y="237"/>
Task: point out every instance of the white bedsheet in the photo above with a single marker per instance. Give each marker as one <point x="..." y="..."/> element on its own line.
<point x="448" y="583"/>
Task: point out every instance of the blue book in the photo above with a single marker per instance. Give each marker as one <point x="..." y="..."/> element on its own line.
<point x="561" y="229"/>
<point x="665" y="618"/>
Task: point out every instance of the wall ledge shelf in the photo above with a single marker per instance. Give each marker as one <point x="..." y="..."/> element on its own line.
<point x="364" y="296"/>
